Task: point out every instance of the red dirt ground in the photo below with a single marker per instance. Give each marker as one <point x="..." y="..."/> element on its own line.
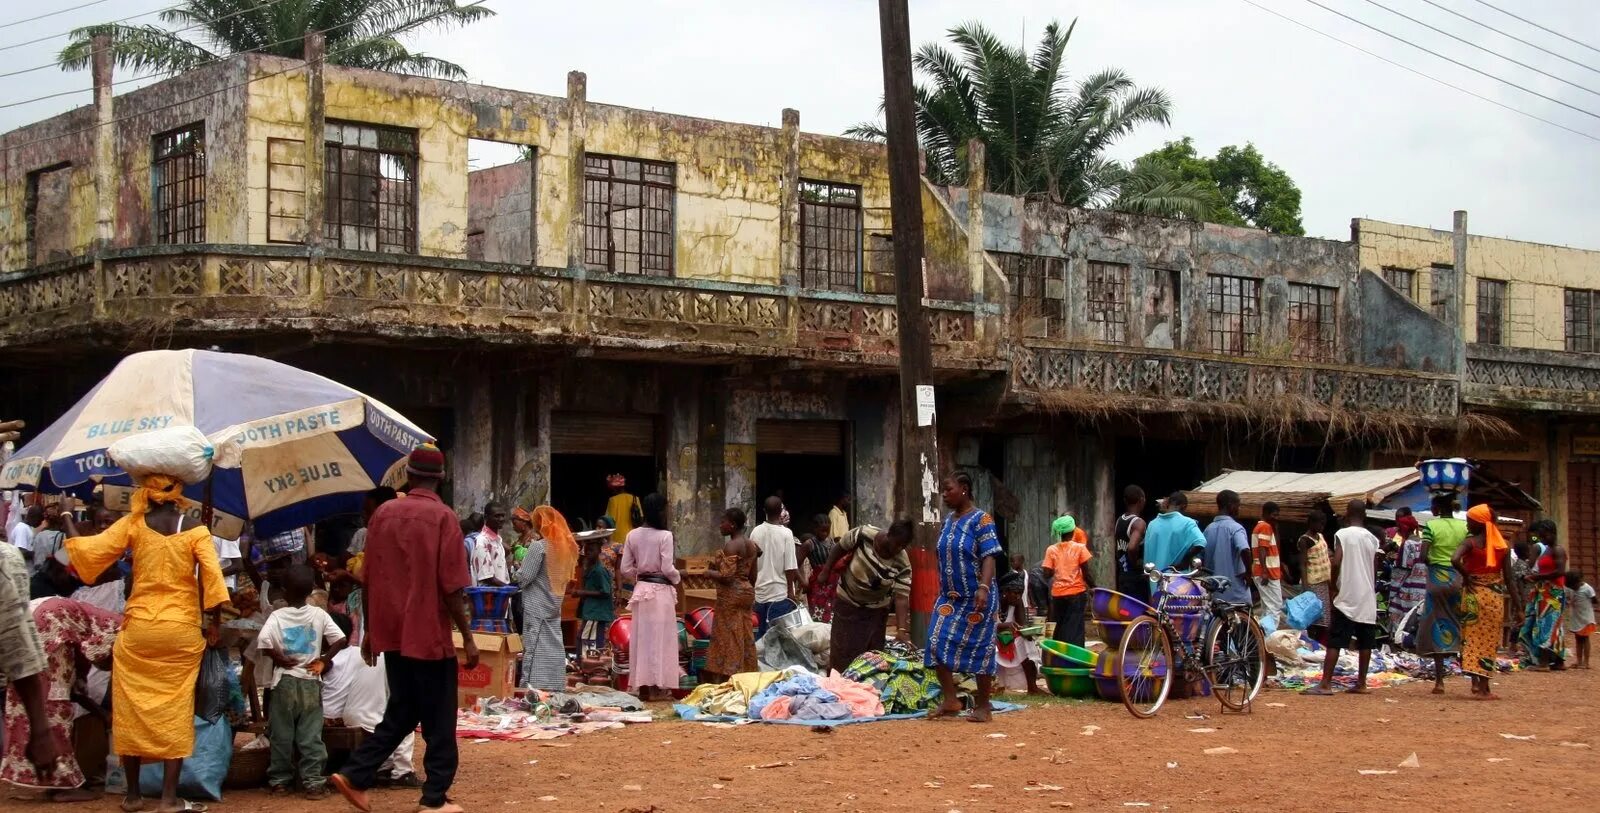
<point x="1303" y="756"/>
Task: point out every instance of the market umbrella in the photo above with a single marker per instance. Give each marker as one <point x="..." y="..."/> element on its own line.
<point x="291" y="447"/>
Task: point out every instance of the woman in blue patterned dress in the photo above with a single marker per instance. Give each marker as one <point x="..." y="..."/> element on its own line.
<point x="961" y="634"/>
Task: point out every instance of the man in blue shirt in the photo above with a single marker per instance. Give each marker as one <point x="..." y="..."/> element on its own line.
<point x="1171" y="537"/>
<point x="1228" y="551"/>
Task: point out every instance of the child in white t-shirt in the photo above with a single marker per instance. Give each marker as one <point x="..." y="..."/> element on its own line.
<point x="293" y="639"/>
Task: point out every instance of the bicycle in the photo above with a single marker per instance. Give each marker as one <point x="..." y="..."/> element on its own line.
<point x="1231" y="654"/>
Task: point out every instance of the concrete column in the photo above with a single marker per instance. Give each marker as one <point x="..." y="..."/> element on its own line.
<point x="739" y="457"/>
<point x="105" y="146"/>
<point x="472" y="460"/>
<point x="693" y="526"/>
<point x="577" y="117"/>
<point x="1459" y="294"/>
<point x="789" y="222"/>
<point x="315" y="140"/>
<point x="977" y="182"/>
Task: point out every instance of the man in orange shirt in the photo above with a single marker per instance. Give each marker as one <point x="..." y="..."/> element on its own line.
<point x="1265" y="566"/>
<point x="1070" y="582"/>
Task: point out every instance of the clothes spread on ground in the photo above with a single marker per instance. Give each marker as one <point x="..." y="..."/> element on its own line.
<point x="549" y="715"/>
<point x="904" y="683"/>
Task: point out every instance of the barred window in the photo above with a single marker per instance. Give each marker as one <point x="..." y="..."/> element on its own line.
<point x="371" y="188"/>
<point x="628" y="215"/>
<point x="1313" y="322"/>
<point x="1583" y="321"/>
<point x="1106" y="302"/>
<point x="1404" y="280"/>
<point x="1491" y="311"/>
<point x="178" y="185"/>
<point x="1443" y="291"/>
<point x="830" y="236"/>
<point x="1038" y="289"/>
<point x="1234" y="304"/>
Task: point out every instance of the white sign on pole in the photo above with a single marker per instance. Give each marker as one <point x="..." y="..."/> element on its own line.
<point x="924" y="405"/>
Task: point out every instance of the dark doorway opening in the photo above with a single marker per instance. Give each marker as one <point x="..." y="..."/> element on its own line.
<point x="810" y="484"/>
<point x="578" y="483"/>
<point x="1159" y="466"/>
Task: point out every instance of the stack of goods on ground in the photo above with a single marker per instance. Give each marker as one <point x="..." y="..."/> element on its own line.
<point x="1114" y="612"/>
<point x="536" y="715"/>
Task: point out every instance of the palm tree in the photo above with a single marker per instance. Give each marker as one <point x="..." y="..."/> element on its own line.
<point x="1042" y="138"/>
<point x="359" y="33"/>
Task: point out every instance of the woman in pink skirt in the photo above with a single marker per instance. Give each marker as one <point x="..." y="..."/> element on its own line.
<point x="647" y="558"/>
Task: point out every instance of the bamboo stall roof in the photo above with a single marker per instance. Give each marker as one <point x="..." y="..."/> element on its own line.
<point x="1296" y="494"/>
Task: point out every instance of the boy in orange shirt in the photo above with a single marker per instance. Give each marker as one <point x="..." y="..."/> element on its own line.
<point x="1070" y="581"/>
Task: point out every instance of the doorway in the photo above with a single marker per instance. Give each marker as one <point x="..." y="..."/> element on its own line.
<point x="806" y="461"/>
<point x="1159" y="466"/>
<point x="586" y="448"/>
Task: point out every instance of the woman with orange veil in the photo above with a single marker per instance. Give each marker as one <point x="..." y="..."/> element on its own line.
<point x="1485" y="565"/>
<point x="551" y="559"/>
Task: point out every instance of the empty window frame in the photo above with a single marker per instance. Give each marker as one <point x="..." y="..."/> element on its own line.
<point x="1582" y="315"/>
<point x="371" y="188"/>
<point x="1442" y="291"/>
<point x="1313" y="322"/>
<point x="1234" y="308"/>
<point x="1029" y="276"/>
<point x="628" y="215"/>
<point x="1491" y="311"/>
<point x="1106" y="302"/>
<point x="1404" y="280"/>
<point x="830" y="236"/>
<point x="178" y="185"/>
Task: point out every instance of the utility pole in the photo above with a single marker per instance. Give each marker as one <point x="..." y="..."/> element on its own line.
<point x="916" y="496"/>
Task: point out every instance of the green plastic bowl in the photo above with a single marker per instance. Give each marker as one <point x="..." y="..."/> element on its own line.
<point x="1068" y="682"/>
<point x="1062" y="655"/>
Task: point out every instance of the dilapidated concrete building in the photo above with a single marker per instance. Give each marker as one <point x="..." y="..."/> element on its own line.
<point x="705" y="307"/>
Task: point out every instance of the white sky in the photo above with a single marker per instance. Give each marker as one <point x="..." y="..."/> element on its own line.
<point x="1360" y="137"/>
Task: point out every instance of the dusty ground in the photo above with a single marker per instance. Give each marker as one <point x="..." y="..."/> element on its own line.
<point x="1305" y="755"/>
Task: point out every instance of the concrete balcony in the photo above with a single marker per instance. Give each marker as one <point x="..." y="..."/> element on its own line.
<point x="1538" y="380"/>
<point x="216" y="290"/>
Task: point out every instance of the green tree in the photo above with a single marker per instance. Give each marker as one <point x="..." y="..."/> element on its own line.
<point x="359" y="34"/>
<point x="1246" y="189"/>
<point x="1043" y="136"/>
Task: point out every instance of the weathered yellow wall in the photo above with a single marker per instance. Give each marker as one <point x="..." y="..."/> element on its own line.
<point x="277" y="110"/>
<point x="1536" y="275"/>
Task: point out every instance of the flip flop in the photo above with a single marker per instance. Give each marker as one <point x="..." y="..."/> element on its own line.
<point x="1320" y="692"/>
<point x="352" y="794"/>
<point x="187" y="806"/>
<point x="447" y="807"/>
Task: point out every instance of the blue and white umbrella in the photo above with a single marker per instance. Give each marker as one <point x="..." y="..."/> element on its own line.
<point x="291" y="447"/>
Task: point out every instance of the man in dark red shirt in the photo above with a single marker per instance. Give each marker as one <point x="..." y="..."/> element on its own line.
<point x="416" y="576"/>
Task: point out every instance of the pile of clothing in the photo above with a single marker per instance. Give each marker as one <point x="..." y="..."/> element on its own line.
<point x="545" y="716"/>
<point x="902" y="682"/>
<point x="804" y="696"/>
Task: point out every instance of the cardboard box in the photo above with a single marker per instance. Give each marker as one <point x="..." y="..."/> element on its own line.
<point x="496" y="675"/>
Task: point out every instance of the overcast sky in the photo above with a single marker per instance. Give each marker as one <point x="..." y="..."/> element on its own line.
<point x="1360" y="137"/>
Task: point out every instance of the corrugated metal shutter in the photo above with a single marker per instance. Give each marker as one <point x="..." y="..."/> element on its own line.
<point x="587" y="433"/>
<point x="1583" y="518"/>
<point x="800" y="437"/>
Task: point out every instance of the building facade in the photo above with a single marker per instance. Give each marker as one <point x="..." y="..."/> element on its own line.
<point x="702" y="306"/>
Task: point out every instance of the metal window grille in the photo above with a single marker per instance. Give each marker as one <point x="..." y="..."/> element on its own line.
<point x="628" y="215"/>
<point x="1491" y="311"/>
<point x="830" y="236"/>
<point x="1404" y="280"/>
<point x="877" y="275"/>
<point x="1106" y="302"/>
<point x="1313" y="322"/>
<point x="1583" y="321"/>
<point x="371" y="188"/>
<point x="1033" y="297"/>
<point x="178" y="185"/>
<point x="1234" y="304"/>
<point x="1443" y="292"/>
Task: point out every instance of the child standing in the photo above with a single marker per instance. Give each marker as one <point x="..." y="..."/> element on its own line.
<point x="1580" y="614"/>
<point x="595" y="608"/>
<point x="1355" y="602"/>
<point x="293" y="639"/>
<point x="1070" y="583"/>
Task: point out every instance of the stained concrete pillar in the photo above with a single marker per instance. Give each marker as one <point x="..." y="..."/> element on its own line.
<point x="105" y="145"/>
<point x="576" y="116"/>
<point x="316" y="140"/>
<point x="739" y="456"/>
<point x="977" y="183"/>
<point x="472" y="460"/>
<point x="789" y="222"/>
<point x="1458" y="293"/>
<point x="692" y="520"/>
<point x="529" y="484"/>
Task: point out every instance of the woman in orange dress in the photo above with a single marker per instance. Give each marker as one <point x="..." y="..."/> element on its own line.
<point x="1485" y="565"/>
<point x="733" y="639"/>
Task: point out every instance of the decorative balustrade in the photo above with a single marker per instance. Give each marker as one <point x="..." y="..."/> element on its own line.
<point x="1532" y="379"/>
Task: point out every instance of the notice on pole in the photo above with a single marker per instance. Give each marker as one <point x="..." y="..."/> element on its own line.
<point x="924" y="405"/>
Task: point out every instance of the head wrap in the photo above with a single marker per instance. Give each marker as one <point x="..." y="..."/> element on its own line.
<point x="154" y="489"/>
<point x="1494" y="544"/>
<point x="426" y="461"/>
<point x="1407" y="525"/>
<point x="522" y="513"/>
<point x="616" y="481"/>
<point x="610" y="521"/>
<point x="1062" y="526"/>
<point x="560" y="547"/>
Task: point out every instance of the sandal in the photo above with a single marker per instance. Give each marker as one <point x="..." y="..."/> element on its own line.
<point x="186" y="806"/>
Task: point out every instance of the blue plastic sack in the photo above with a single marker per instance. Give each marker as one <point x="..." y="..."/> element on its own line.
<point x="1303" y="610"/>
<point x="1269" y="623"/>
<point x="203" y="773"/>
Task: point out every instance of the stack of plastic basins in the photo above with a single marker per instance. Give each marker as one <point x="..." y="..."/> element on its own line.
<point x="1068" y="669"/>
<point x="1115" y="611"/>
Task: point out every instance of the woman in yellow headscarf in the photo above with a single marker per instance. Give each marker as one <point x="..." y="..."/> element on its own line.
<point x="1485" y="564"/>
<point x="157" y="656"/>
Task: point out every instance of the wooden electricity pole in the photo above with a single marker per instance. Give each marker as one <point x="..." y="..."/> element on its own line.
<point x="916" y="496"/>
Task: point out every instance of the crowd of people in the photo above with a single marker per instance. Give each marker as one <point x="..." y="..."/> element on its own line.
<point x="367" y="637"/>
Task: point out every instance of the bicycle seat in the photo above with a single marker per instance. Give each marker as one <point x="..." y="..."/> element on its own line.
<point x="1214" y="584"/>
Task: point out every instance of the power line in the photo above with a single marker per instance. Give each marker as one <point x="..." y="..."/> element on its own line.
<point x="1488" y="51"/>
<point x="52" y="14"/>
<point x="1429" y="77"/>
<point x="64" y="33"/>
<point x="1510" y="36"/>
<point x="1456" y="62"/>
<point x="1540" y="27"/>
<point x="197" y="97"/>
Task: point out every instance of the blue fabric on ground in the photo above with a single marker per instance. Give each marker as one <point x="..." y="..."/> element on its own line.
<point x="801" y="685"/>
<point x="691" y="714"/>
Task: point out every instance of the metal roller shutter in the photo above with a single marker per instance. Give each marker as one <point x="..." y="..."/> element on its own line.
<point x="800" y="437"/>
<point x="1583" y="518"/>
<point x="586" y="433"/>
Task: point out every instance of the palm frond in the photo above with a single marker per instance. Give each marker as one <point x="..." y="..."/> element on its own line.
<point x="138" y="48"/>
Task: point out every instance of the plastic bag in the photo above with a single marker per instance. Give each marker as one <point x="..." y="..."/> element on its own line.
<point x="779" y="650"/>
<point x="1303" y="610"/>
<point x="179" y="451"/>
<point x="202" y="773"/>
<point x="1269" y="623"/>
<point x="211" y="689"/>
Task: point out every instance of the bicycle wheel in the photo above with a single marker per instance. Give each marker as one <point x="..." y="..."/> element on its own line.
<point x="1144" y="667"/>
<point x="1235" y="659"/>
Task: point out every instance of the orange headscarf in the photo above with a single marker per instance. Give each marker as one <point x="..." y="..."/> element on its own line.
<point x="155" y="489"/>
<point x="1494" y="544"/>
<point x="560" y="547"/>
